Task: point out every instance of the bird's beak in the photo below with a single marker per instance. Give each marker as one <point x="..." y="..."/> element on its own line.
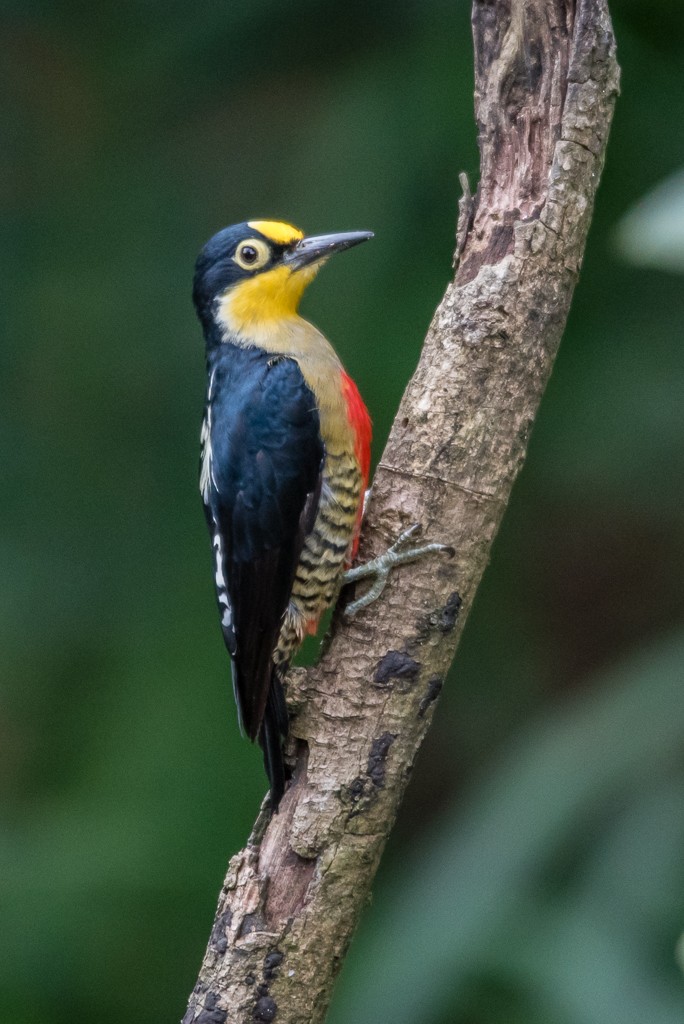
<point x="319" y="247"/>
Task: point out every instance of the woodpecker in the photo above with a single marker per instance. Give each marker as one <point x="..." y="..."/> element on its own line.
<point x="284" y="464"/>
<point x="285" y="458"/>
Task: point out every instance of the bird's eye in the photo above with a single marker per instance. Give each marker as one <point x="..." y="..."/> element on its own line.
<point x="252" y="254"/>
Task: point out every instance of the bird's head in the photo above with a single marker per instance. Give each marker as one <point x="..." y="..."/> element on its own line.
<point x="253" y="274"/>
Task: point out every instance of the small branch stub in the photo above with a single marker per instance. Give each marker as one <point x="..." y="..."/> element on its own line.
<point x="546" y="79"/>
<point x="466" y="206"/>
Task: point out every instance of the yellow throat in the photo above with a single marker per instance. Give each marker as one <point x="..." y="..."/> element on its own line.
<point x="265" y="299"/>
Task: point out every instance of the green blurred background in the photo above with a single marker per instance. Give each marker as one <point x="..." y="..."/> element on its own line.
<point x="536" y="872"/>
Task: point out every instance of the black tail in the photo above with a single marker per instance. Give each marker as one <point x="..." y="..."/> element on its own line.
<point x="273" y="728"/>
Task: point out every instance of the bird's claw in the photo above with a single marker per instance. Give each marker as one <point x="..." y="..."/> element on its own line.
<point x="382" y="566"/>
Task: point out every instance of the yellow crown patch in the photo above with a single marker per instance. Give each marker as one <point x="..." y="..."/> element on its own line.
<point x="277" y="231"/>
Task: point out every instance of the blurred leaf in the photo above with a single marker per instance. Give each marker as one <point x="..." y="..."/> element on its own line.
<point x="651" y="234"/>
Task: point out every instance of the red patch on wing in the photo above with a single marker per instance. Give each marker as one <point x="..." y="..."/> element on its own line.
<point x="360" y="421"/>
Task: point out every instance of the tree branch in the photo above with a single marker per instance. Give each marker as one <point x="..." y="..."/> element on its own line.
<point x="546" y="79"/>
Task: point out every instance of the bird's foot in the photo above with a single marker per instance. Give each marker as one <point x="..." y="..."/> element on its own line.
<point x="381" y="567"/>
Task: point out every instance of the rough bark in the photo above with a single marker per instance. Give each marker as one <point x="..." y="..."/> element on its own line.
<point x="546" y="79"/>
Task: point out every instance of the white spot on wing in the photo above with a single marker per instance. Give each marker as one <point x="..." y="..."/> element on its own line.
<point x="226" y="610"/>
<point x="206" y="468"/>
<point x="225" y="606"/>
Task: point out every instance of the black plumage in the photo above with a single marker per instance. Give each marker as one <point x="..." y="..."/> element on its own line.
<point x="263" y="458"/>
